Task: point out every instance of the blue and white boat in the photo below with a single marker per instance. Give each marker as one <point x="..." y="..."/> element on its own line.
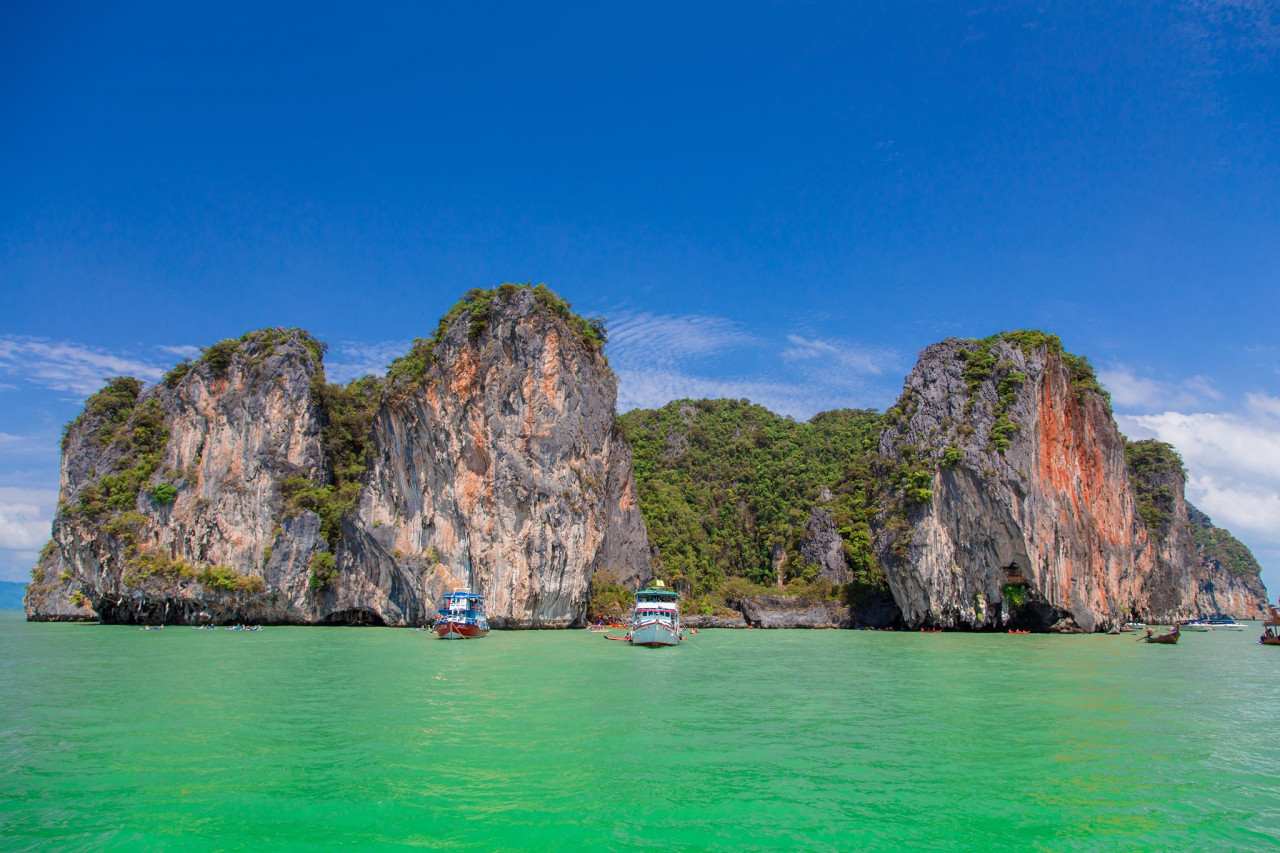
<point x="655" y="621"/>
<point x="1220" y="623"/>
<point x="462" y="616"/>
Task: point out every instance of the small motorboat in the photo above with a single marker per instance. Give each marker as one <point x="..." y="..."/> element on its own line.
<point x="1133" y="626"/>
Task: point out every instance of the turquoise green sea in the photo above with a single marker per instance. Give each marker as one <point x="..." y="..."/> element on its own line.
<point x="310" y="738"/>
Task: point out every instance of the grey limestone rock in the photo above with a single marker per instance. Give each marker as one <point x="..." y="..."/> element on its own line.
<point x="735" y="621"/>
<point x="500" y="469"/>
<point x="823" y="546"/>
<point x="790" y="611"/>
<point x="233" y="435"/>
<point x="1032" y="518"/>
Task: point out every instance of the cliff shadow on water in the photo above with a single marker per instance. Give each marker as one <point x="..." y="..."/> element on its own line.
<point x="996" y="494"/>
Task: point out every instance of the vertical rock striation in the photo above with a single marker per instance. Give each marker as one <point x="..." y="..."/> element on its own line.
<point x="1199" y="569"/>
<point x="170" y="506"/>
<point x="499" y="461"/>
<point x="1011" y="502"/>
<point x="241" y="489"/>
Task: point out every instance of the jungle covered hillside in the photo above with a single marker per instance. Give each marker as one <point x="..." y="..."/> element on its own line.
<point x="727" y="488"/>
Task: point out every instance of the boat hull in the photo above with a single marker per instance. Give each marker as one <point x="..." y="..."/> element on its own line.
<point x="447" y="630"/>
<point x="655" y="634"/>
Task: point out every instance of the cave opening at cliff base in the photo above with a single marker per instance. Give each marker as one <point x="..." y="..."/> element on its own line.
<point x="354" y="616"/>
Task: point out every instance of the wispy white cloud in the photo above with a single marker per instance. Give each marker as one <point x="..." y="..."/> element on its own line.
<point x="843" y="355"/>
<point x="1143" y="393"/>
<point x="23" y="447"/>
<point x="1249" y="26"/>
<point x="1233" y="464"/>
<point x="653" y="387"/>
<point x="660" y="358"/>
<point x="25" y="516"/>
<point x="68" y="366"/>
<point x="663" y="339"/>
<point x="353" y="359"/>
<point x="181" y="350"/>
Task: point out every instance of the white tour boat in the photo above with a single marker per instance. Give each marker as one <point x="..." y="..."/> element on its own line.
<point x="1222" y="623"/>
<point x="655" y="621"/>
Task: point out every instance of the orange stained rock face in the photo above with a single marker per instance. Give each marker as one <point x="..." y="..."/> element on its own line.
<point x="550" y="368"/>
<point x="628" y="498"/>
<point x="475" y="484"/>
<point x="1072" y="463"/>
<point x="528" y="427"/>
<point x="464" y="374"/>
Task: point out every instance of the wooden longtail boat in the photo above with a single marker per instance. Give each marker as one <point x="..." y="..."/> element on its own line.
<point x="1271" y="628"/>
<point x="1167" y="638"/>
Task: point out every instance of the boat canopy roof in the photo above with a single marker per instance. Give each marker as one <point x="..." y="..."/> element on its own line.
<point x="464" y="595"/>
<point x="657" y="595"/>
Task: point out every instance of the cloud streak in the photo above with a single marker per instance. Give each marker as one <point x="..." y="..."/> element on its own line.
<point x="68" y="366"/>
<point x="838" y="354"/>
<point x="354" y="359"/>
<point x="660" y="358"/>
<point x="25" y="516"/>
<point x="1130" y="391"/>
<point x="664" y="339"/>
<point x="1233" y="463"/>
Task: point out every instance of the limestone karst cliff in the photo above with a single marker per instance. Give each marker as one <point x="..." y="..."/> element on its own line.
<point x="1011" y="503"/>
<point x="997" y="493"/>
<point x="170" y="499"/>
<point x="1199" y="569"/>
<point x="494" y="454"/>
<point x="243" y="488"/>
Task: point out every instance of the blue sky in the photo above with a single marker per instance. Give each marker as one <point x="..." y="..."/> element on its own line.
<point x="784" y="202"/>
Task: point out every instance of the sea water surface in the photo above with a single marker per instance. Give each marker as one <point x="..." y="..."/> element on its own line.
<point x="362" y="738"/>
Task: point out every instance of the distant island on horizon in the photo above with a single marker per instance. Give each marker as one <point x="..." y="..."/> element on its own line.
<point x="997" y="493"/>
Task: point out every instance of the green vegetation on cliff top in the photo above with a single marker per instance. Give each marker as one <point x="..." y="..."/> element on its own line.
<point x="265" y="343"/>
<point x="980" y="362"/>
<point x="1217" y="544"/>
<point x="139" y="441"/>
<point x="1155" y="472"/>
<point x="477" y="305"/>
